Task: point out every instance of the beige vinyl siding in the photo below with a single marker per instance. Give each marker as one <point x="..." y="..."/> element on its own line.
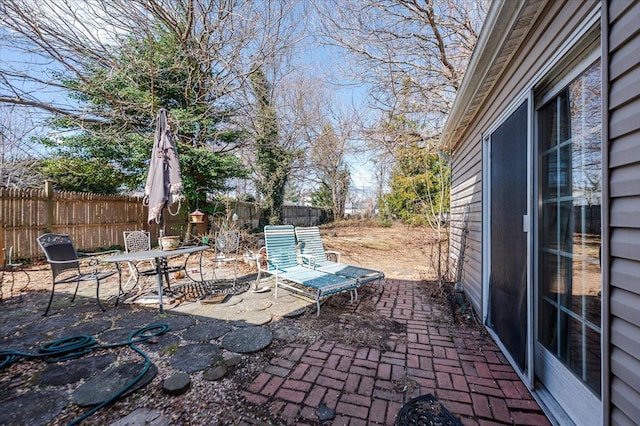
<point x="538" y="46"/>
<point x="466" y="203"/>
<point x="624" y="192"/>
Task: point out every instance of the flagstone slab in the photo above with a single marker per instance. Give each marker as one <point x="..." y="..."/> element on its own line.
<point x="84" y="329"/>
<point x="206" y="331"/>
<point x="74" y="370"/>
<point x="161" y="343"/>
<point x="177" y="384"/>
<point x="106" y="384"/>
<point x="178" y="322"/>
<point x="138" y="319"/>
<point x="143" y="417"/>
<point x="251" y="319"/>
<point x="35" y="408"/>
<point x="247" y="340"/>
<point x="112" y="336"/>
<point x="196" y="357"/>
<point x="256" y="305"/>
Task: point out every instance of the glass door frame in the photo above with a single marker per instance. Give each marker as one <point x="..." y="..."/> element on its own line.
<point x="575" y="398"/>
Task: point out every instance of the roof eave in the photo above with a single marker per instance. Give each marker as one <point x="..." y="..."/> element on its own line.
<point x="500" y="20"/>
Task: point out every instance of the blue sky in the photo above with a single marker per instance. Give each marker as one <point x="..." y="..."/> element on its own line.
<point x="325" y="61"/>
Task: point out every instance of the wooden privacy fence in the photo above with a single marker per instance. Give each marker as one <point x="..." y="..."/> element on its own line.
<point x="97" y="221"/>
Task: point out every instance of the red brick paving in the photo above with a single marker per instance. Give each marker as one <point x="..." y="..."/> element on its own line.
<point x="367" y="386"/>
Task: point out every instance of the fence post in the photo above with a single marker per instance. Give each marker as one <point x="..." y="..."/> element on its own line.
<point x="48" y="192"/>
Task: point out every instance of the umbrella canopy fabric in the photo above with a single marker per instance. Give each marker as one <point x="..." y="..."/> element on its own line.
<point x="164" y="184"/>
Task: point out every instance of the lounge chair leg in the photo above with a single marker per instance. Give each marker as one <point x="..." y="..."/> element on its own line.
<point x="317" y="307"/>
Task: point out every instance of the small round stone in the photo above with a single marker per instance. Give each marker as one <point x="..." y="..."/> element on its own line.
<point x="215" y="373"/>
<point x="177" y="384"/>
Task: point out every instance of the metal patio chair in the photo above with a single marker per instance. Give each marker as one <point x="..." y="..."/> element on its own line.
<point x="9" y="266"/>
<point x="135" y="241"/>
<point x="226" y="245"/>
<point x="66" y="265"/>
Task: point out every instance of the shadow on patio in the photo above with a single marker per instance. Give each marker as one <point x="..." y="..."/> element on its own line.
<point x="355" y="364"/>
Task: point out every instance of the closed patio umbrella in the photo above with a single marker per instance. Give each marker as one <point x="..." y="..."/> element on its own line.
<point x="164" y="184"/>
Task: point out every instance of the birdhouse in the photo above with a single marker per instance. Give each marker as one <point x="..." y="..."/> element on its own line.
<point x="196" y="216"/>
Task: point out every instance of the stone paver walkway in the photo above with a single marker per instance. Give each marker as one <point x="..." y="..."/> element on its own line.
<point x="463" y="368"/>
<point x="424" y="353"/>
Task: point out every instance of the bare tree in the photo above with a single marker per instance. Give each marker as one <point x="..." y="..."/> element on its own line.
<point x="410" y="53"/>
<point x="18" y="157"/>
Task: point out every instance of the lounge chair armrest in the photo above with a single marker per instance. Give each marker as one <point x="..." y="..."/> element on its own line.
<point x="333" y="253"/>
<point x="262" y="261"/>
<point x="308" y="260"/>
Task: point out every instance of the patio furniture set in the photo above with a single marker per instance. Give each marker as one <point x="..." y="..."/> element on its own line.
<point x="69" y="266"/>
<point x="294" y="256"/>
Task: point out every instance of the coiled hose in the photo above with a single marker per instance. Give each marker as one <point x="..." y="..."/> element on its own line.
<point x="73" y="347"/>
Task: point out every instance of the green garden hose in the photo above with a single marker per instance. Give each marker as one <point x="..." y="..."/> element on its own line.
<point x="73" y="347"/>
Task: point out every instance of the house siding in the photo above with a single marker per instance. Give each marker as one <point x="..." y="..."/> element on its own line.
<point x="555" y="24"/>
<point x="623" y="67"/>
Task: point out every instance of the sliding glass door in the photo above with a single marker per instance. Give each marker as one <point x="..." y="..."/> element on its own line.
<point x="569" y="240"/>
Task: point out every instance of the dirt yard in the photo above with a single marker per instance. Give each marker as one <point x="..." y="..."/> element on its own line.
<point x="399" y="251"/>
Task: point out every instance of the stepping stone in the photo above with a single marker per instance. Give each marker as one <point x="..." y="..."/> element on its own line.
<point x="177" y="384"/>
<point x="143" y="417"/>
<point x="103" y="386"/>
<point x="247" y="340"/>
<point x="255" y="305"/>
<point x="135" y="320"/>
<point x="178" y="322"/>
<point x="289" y="310"/>
<point x="118" y="335"/>
<point x="215" y="373"/>
<point x="205" y="331"/>
<point x="37" y="408"/>
<point x="232" y="301"/>
<point x="251" y="319"/>
<point x="231" y="360"/>
<point x="83" y="329"/>
<point x="72" y="371"/>
<point x="196" y="357"/>
<point x="163" y="342"/>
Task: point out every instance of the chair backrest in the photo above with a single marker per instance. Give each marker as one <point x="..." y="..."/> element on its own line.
<point x="136" y="241"/>
<point x="227" y="242"/>
<point x="310" y="242"/>
<point x="280" y="242"/>
<point x="59" y="248"/>
<point x="6" y="258"/>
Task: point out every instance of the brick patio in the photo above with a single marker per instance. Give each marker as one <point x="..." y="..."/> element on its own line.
<point x="460" y="365"/>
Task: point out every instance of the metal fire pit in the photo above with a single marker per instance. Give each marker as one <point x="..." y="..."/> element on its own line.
<point x="426" y="410"/>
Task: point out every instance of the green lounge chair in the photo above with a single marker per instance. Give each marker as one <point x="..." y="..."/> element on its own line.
<point x="315" y="256"/>
<point x="282" y="261"/>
